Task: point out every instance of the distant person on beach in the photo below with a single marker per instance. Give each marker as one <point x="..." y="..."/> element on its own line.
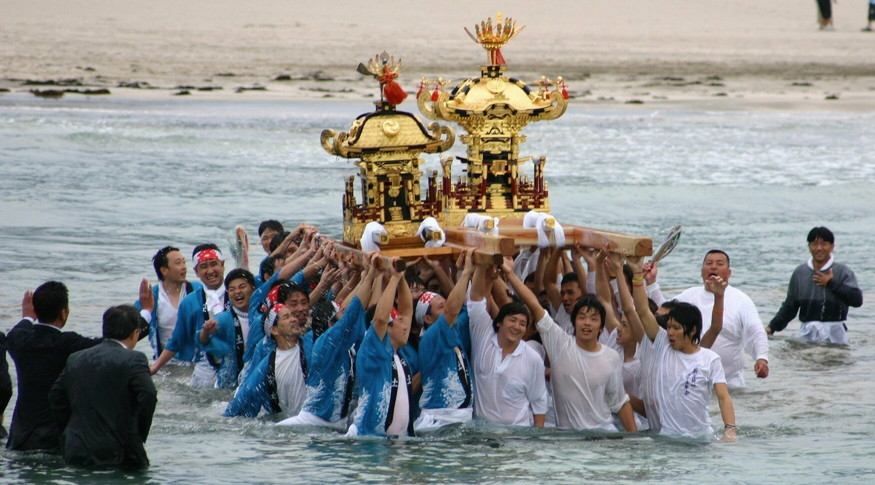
<point x="40" y="350"/>
<point x="104" y="399"/>
<point x="820" y="291"/>
<point x="742" y="328"/>
<point x="869" y="25"/>
<point x="194" y="310"/>
<point x="824" y="14"/>
<point x="172" y="287"/>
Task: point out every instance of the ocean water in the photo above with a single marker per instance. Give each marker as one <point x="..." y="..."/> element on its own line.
<point x="90" y="188"/>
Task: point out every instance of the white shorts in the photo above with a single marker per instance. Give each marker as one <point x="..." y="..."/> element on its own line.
<point x="203" y="376"/>
<point x="432" y="419"/>
<point x="824" y="332"/>
<point x="309" y="419"/>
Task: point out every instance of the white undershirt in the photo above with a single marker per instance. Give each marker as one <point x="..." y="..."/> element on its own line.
<point x="215" y="300"/>
<point x="243" y="318"/>
<point x="401" y="414"/>
<point x="167" y="313"/>
<point x="290" y="385"/>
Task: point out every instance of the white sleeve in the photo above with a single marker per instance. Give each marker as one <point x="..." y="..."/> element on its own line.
<point x="479" y="322"/>
<point x="536" y="391"/>
<point x="521" y="262"/>
<point x="753" y="337"/>
<point x="616" y="395"/>
<point x="552" y="334"/>
<point x="590" y="282"/>
<point x="655" y="294"/>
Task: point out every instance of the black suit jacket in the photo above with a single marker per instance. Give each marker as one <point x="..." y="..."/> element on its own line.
<point x="40" y="353"/>
<point x="5" y="382"/>
<point x="104" y="401"/>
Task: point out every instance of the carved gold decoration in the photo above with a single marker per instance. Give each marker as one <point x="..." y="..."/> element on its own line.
<point x="492" y="110"/>
<point x="391" y="128"/>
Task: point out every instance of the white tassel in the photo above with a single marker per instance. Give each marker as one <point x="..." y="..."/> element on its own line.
<point x="430" y="226"/>
<point x="482" y="223"/>
<point x="371" y="236"/>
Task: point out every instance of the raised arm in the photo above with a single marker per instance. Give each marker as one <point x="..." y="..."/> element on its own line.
<point x="717" y="286"/>
<point x="523" y="291"/>
<point x="405" y="299"/>
<point x="444" y="279"/>
<point x="549" y="276"/>
<point x="577" y="266"/>
<point x="639" y="296"/>
<point x="606" y="263"/>
<point x="457" y="297"/>
<point x="628" y="305"/>
<point x="386" y="301"/>
<point x="364" y="288"/>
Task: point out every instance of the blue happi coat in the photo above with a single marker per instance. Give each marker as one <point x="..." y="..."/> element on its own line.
<point x="259" y="389"/>
<point x="443" y="385"/>
<point x="189" y="321"/>
<point x="222" y="350"/>
<point x="374" y="364"/>
<point x="329" y="384"/>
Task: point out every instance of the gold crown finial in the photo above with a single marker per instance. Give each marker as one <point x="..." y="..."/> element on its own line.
<point x="493" y="38"/>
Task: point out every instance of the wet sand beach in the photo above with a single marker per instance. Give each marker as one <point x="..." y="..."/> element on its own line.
<point x="710" y="54"/>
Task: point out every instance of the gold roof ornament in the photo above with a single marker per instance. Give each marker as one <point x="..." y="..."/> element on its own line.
<point x="493" y="110"/>
<point x="387" y="144"/>
<point x="494" y="38"/>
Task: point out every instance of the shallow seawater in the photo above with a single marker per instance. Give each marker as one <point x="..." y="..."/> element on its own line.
<point x="90" y="188"/>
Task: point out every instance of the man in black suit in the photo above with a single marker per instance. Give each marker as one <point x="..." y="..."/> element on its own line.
<point x="5" y="384"/>
<point x="104" y="398"/>
<point x="40" y="350"/>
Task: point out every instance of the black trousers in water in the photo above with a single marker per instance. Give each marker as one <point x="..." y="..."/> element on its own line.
<point x="825" y="7"/>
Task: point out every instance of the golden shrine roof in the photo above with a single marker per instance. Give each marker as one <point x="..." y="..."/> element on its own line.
<point x="388" y="130"/>
<point x="477" y="95"/>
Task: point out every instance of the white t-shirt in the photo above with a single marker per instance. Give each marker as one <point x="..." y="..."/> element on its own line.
<point x="632" y="377"/>
<point x="401" y="414"/>
<point x="609" y="339"/>
<point x="290" y="385"/>
<point x="510" y="390"/>
<point x="587" y="386"/>
<point x="678" y="387"/>
<point x="742" y="329"/>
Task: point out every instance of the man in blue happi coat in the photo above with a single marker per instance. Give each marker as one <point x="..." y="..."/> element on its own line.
<point x="225" y="337"/>
<point x="444" y="355"/>
<point x="330" y="384"/>
<point x="277" y="384"/>
<point x="386" y="366"/>
<point x="194" y="310"/>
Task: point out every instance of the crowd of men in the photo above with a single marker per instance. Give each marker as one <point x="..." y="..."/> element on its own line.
<point x="580" y="339"/>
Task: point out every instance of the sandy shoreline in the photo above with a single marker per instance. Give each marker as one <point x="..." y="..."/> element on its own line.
<point x="670" y="54"/>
